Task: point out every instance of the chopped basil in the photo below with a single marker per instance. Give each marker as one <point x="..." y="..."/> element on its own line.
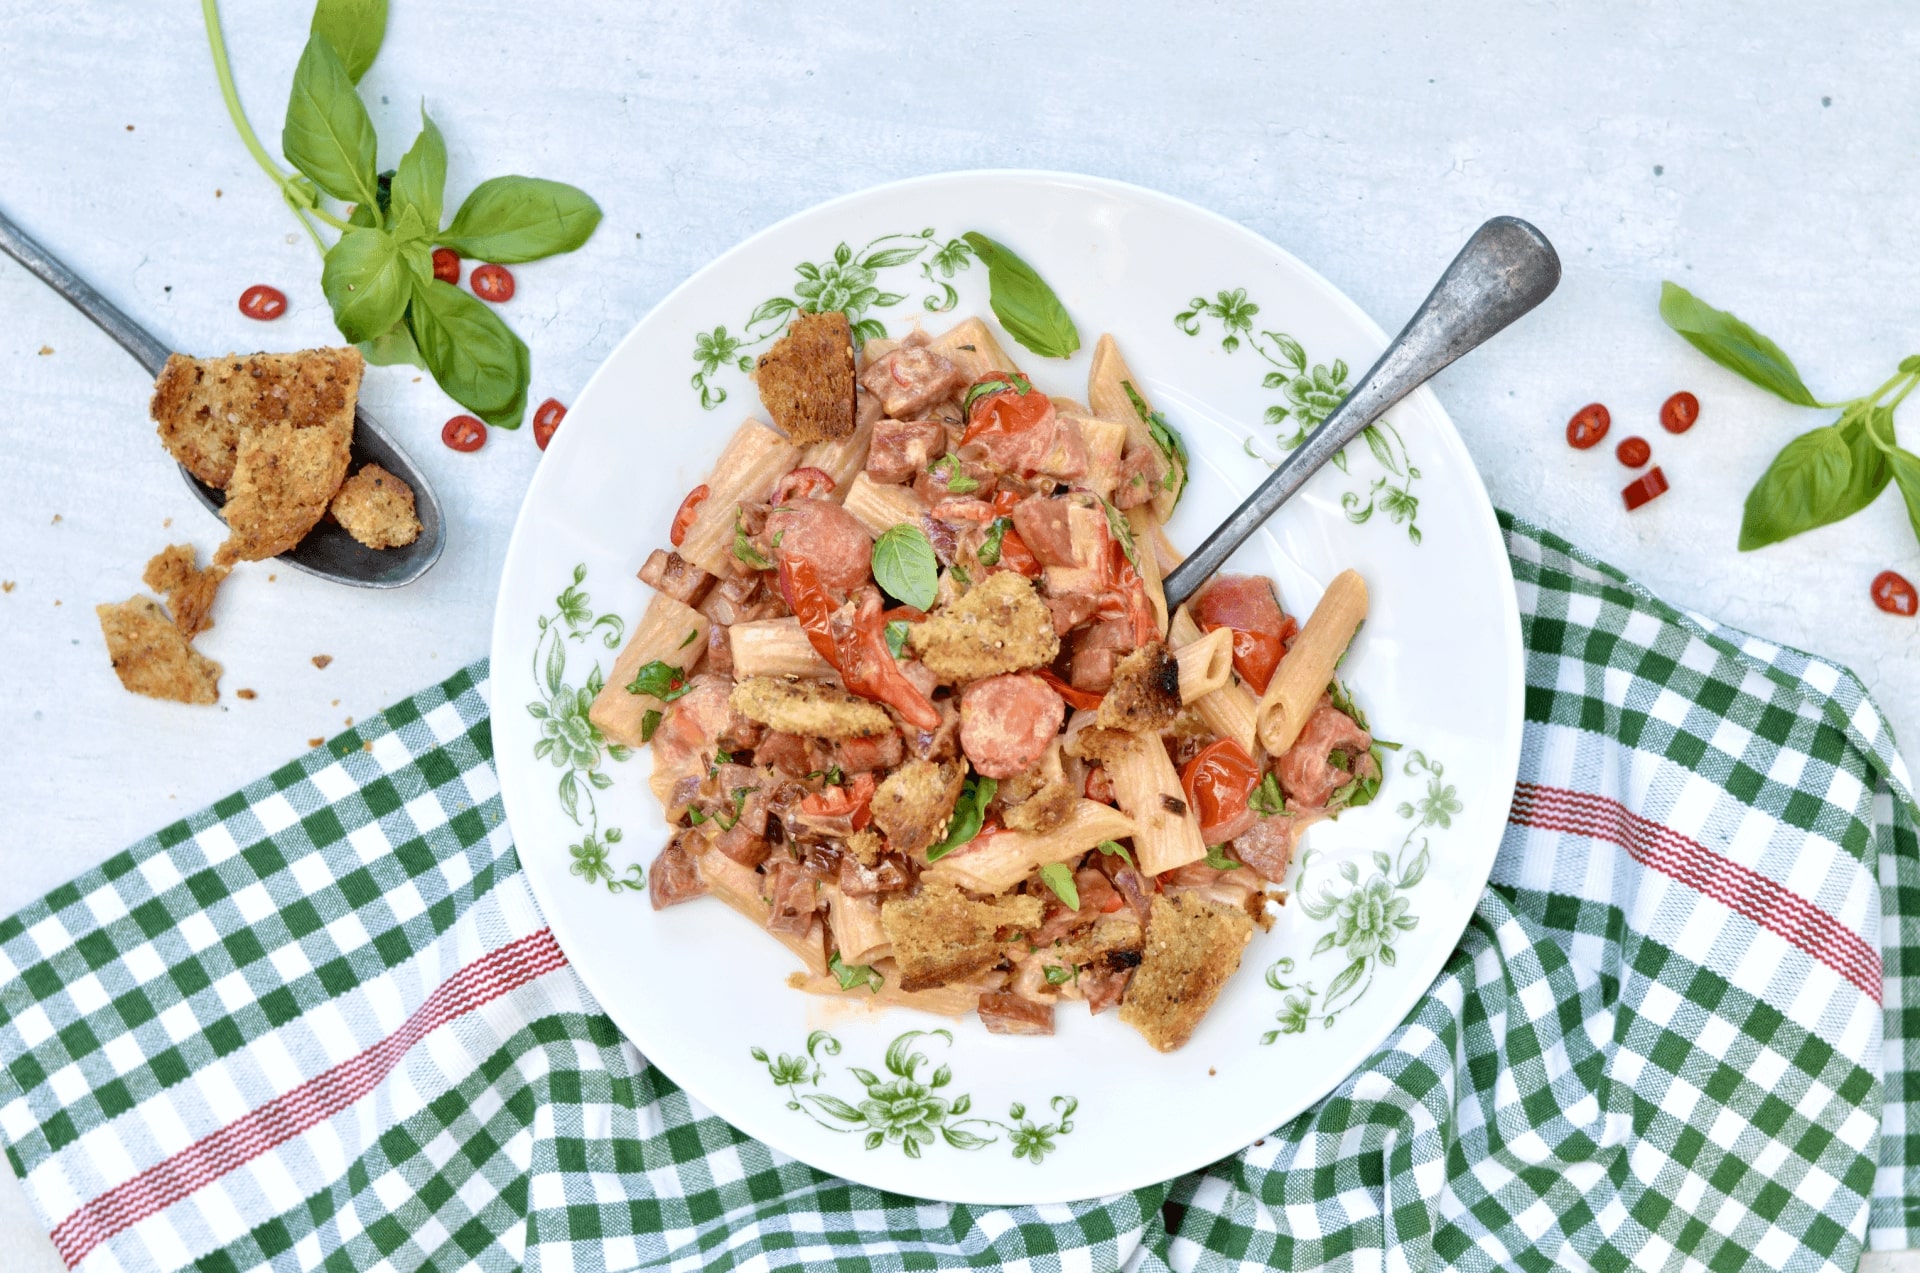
<point x="649" y="723"/>
<point x="696" y="817"/>
<point x="853" y="976"/>
<point x="969" y="815"/>
<point x="1058" y="876"/>
<point x="961" y="576"/>
<point x="744" y="550"/>
<point x="1123" y="531"/>
<point x="659" y="680"/>
<point x="958" y="483"/>
<point x="691" y="634"/>
<point x="1342" y="700"/>
<point x="1016" y="382"/>
<point x="905" y="567"/>
<point x="1339" y="759"/>
<point x="1060" y="976"/>
<point x="1115" y="849"/>
<point x="896" y="634"/>
<point x="1266" y="799"/>
<point x="989" y="553"/>
<point x="1217" y="858"/>
<point x="1166" y="439"/>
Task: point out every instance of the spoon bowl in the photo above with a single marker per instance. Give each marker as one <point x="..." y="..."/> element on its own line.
<point x="327" y="551"/>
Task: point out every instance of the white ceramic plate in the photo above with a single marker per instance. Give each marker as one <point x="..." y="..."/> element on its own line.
<point x="962" y="1115"/>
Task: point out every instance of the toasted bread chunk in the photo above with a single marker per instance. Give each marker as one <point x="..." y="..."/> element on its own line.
<point x="203" y="404"/>
<point x="806" y="379"/>
<point x="941" y="935"/>
<point x="174" y="572"/>
<point x="151" y="657"/>
<point x="1001" y="625"/>
<point x="866" y="847"/>
<point x="1044" y="810"/>
<point x="1145" y="695"/>
<point x="914" y="802"/>
<point x="376" y="508"/>
<point x="1193" y="946"/>
<point x="283" y="477"/>
<point x="1098" y="746"/>
<point x="812" y="709"/>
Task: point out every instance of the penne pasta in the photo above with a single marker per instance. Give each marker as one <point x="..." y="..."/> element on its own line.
<point x="840" y="460"/>
<point x="1230" y="711"/>
<point x="1143" y="521"/>
<point x="1166" y="833"/>
<point x="1106" y="443"/>
<point x="775" y="647"/>
<point x="880" y="506"/>
<point x="854" y="923"/>
<point x="1107" y="382"/>
<point x="1304" y="674"/>
<point x="1205" y="665"/>
<point x="954" y="1000"/>
<point x="739" y="887"/>
<point x="754" y="460"/>
<point x="1006" y="858"/>
<point x="668" y="632"/>
<point x="971" y="347"/>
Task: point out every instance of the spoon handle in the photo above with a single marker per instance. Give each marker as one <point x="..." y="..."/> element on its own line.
<point x="1505" y="269"/>
<point x="134" y="338"/>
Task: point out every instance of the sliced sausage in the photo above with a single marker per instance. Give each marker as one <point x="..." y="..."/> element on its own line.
<point x="1007" y="721"/>
<point x="1004" y="1012"/>
<point x="669" y="573"/>
<point x="826" y="535"/>
<point x="1307" y="774"/>
<point x="1141" y="474"/>
<point x="674" y="878"/>
<point x="1045" y="529"/>
<point x="903" y="448"/>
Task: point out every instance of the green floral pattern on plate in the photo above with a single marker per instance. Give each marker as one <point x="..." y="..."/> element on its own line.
<point x="903" y="1109"/>
<point x="1368" y="914"/>
<point x="1309" y="392"/>
<point x="570" y="739"/>
<point x="849" y="280"/>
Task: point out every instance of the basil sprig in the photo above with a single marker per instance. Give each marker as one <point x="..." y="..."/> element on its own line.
<point x="969" y="815"/>
<point x="904" y="566"/>
<point x="378" y="276"/>
<point x="1826" y="474"/>
<point x="1023" y="302"/>
<point x="1058" y="876"/>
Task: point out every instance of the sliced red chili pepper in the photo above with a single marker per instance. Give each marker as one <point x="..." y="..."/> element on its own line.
<point x="464" y="433"/>
<point x="803" y="483"/>
<point x="1086" y="700"/>
<point x="1648" y="486"/>
<point x="263" y="302"/>
<point x="1678" y="413"/>
<point x="446" y="265"/>
<point x="1589" y="424"/>
<point x="1892" y="593"/>
<point x="683" y="519"/>
<point x="492" y="283"/>
<point x="546" y="418"/>
<point x="1633" y="452"/>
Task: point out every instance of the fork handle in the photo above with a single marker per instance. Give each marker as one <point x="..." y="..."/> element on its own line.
<point x="133" y="338"/>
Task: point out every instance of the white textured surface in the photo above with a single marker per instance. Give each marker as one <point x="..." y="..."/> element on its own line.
<point x="1647" y="142"/>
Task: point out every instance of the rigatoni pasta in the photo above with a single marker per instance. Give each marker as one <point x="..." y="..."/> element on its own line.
<point x="670" y="634"/>
<point x="745" y="473"/>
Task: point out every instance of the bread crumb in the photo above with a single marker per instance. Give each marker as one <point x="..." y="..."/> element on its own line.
<point x="367" y="745"/>
<point x="151" y="657"/>
<point x="6" y="585"/>
<point x="56" y="601"/>
<point x="249" y="695"/>
<point x="45" y="350"/>
<point x="806" y="379"/>
<point x="283" y="478"/>
<point x="321" y="660"/>
<point x="203" y="405"/>
<point x="271" y="578"/>
<point x="315" y="742"/>
<point x="376" y="508"/>
<point x="166" y="523"/>
<point x="1211" y="1071"/>
<point x="349" y="719"/>
<point x="174" y="573"/>
<point x="334" y="703"/>
<point x="56" y="519"/>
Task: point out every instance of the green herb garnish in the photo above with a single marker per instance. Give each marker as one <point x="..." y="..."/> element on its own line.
<point x="989" y="553"/>
<point x="1058" y="876"/>
<point x="743" y="549"/>
<point x="1266" y="799"/>
<point x="969" y="815"/>
<point x="1166" y="439"/>
<point x="1122" y="530"/>
<point x="1016" y="382"/>
<point x="853" y="975"/>
<point x="1059" y="975"/>
<point x="1217" y="858"/>
<point x="896" y="634"/>
<point x="1023" y="302"/>
<point x="1113" y="848"/>
<point x="960" y="575"/>
<point x="905" y="567"/>
<point x="648" y="723"/>
<point x="958" y="483"/>
<point x="660" y="680"/>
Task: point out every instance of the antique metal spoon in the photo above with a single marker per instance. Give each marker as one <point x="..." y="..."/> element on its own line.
<point x="1505" y="269"/>
<point x="327" y="551"/>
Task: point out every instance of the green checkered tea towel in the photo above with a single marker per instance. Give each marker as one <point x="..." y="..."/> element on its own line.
<point x="321" y="1025"/>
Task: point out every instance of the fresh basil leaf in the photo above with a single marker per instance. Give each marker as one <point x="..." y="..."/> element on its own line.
<point x="365" y="282"/>
<point x="420" y="181"/>
<point x="1217" y="858"/>
<point x="1267" y="799"/>
<point x="904" y="566"/>
<point x="354" y="30"/>
<point x="659" y="679"/>
<point x="1905" y="466"/>
<point x="1058" y="876"/>
<point x="969" y="815"/>
<point x="479" y="362"/>
<point x="410" y="236"/>
<point x="989" y="551"/>
<point x="1733" y="344"/>
<point x="1870" y="472"/>
<point x="1023" y="302"/>
<point x="993" y="384"/>
<point x="327" y="135"/>
<point x="1060" y="975"/>
<point x="896" y="634"/>
<point x="1803" y="487"/>
<point x="958" y="483"/>
<point x="515" y="219"/>
<point x="649" y="721"/>
<point x="743" y="550"/>
<point x="1113" y="848"/>
<point x="852" y="976"/>
<point x="1166" y="439"/>
<point x="1122" y="530"/>
<point x="393" y="348"/>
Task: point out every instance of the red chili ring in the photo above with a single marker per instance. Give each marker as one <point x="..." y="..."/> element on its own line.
<point x="1648" y="486"/>
<point x="446" y="265"/>
<point x="1633" y="452"/>
<point x="1894" y="594"/>
<point x="546" y="419"/>
<point x="464" y="433"/>
<point x="263" y="303"/>
<point x="492" y="283"/>
<point x="1589" y="424"/>
<point x="1678" y="413"/>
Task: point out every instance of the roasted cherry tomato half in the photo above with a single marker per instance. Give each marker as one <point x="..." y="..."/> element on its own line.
<point x="1892" y="593"/>
<point x="1678" y="413"/>
<point x="492" y="283"/>
<point x="464" y="433"/>
<point x="446" y="265"/>
<point x="1218" y="782"/>
<point x="546" y="418"/>
<point x="1589" y="424"/>
<point x="263" y="302"/>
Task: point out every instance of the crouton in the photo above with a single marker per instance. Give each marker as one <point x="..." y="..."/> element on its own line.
<point x="283" y="477"/>
<point x="1114" y="941"/>
<point x="189" y="590"/>
<point x="202" y="405"/>
<point x="1044" y="810"/>
<point x="1001" y="625"/>
<point x="1098" y="746"/>
<point x="941" y="935"/>
<point x="1193" y="946"/>
<point x="812" y="709"/>
<point x="376" y="508"/>
<point x="152" y="657"/>
<point x="1145" y="695"/>
<point x="913" y="803"/>
<point x="866" y="846"/>
<point x="806" y="379"/>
